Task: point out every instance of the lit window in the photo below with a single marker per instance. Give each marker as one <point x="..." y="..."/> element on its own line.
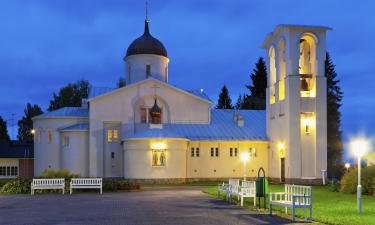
<point x="49" y="137"/>
<point x="159" y="157"/>
<point x="143" y="115"/>
<point x="192" y="152"/>
<point x="109" y="135"/>
<point x="115" y="135"/>
<point x="197" y="152"/>
<point x="148" y="71"/>
<point x="66" y="141"/>
<point x="252" y="152"/>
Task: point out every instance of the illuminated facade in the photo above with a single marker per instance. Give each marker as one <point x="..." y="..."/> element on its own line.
<point x="153" y="131"/>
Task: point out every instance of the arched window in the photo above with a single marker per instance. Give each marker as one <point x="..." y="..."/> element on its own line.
<point x="155" y="113"/>
<point x="307" y="64"/>
<point x="282" y="70"/>
<point x="272" y="75"/>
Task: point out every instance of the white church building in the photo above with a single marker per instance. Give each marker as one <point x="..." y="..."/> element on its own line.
<point x="152" y="131"/>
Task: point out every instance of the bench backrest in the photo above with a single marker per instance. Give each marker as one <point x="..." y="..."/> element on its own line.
<point x="248" y="187"/>
<point x="86" y="181"/>
<point x="298" y="190"/>
<point x="48" y="182"/>
<point x="234" y="185"/>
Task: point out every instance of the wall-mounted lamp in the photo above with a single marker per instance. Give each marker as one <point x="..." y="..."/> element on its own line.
<point x="281" y="150"/>
<point x="307" y="121"/>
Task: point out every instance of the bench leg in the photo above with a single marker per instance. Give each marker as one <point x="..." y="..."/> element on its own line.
<point x="71" y="190"/>
<point x="241" y="201"/>
<point x="310" y="213"/>
<point x="270" y="209"/>
<point x="63" y="191"/>
<point x="286" y="210"/>
<point x="101" y="190"/>
<point x="32" y="191"/>
<point x="255" y="201"/>
<point x="293" y="214"/>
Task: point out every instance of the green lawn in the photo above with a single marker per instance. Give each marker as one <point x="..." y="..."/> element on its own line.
<point x="328" y="207"/>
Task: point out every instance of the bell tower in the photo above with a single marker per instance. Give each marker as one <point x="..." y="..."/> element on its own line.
<point x="297" y="103"/>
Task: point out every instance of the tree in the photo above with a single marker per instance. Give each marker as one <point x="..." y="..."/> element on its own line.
<point x="334" y="134"/>
<point x="3" y="130"/>
<point x="70" y="95"/>
<point x="239" y="103"/>
<point x="121" y="82"/>
<point x="257" y="98"/>
<point x="25" y="124"/>
<point x="224" y="101"/>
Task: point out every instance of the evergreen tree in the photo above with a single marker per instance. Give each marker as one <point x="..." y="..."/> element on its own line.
<point x="334" y="134"/>
<point x="121" y="82"/>
<point x="3" y="130"/>
<point x="25" y="125"/>
<point x="224" y="101"/>
<point x="70" y="95"/>
<point x="257" y="98"/>
<point x="239" y="103"/>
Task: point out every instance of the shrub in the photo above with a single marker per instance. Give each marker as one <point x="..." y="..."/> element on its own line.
<point x="349" y="181"/>
<point x="119" y="184"/>
<point x="17" y="186"/>
<point x="334" y="185"/>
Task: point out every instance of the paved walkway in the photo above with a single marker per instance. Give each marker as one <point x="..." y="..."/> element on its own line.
<point x="185" y="206"/>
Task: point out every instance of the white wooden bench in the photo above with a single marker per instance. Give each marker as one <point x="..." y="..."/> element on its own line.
<point x="229" y="188"/>
<point x="247" y="190"/>
<point x="86" y="183"/>
<point x="48" y="184"/>
<point x="295" y="196"/>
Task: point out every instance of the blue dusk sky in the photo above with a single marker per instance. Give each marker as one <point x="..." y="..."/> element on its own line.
<point x="46" y="44"/>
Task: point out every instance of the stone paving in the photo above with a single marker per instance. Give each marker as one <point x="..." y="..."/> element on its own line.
<point x="164" y="206"/>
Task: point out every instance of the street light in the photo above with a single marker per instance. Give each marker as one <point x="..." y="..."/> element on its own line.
<point x="32" y="131"/>
<point x="245" y="156"/>
<point x="347" y="166"/>
<point x="359" y="147"/>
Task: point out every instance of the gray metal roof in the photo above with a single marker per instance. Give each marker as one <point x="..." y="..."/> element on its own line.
<point x="16" y="149"/>
<point x="96" y="91"/>
<point x="65" y="112"/>
<point x="77" y="127"/>
<point x="222" y="127"/>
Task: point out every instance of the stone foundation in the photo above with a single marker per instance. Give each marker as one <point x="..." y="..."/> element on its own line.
<point x="297" y="181"/>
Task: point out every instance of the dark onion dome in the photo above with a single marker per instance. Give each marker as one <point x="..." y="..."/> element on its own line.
<point x="146" y="44"/>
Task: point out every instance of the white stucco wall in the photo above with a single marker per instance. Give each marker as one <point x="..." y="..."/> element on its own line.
<point x="75" y="156"/>
<point x="136" y="67"/>
<point x="48" y="155"/>
<point x="138" y="160"/>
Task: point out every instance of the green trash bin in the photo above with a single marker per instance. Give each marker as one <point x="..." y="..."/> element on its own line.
<point x="260" y="187"/>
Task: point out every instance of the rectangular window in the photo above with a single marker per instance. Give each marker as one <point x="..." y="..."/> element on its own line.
<point x="159" y="157"/>
<point x="112" y="155"/>
<point x="66" y="141"/>
<point x="212" y="152"/>
<point x="231" y="152"/>
<point x="2" y="171"/>
<point x="115" y="135"/>
<point x="8" y="171"/>
<point x="192" y="152"/>
<point x="197" y="152"/>
<point x="148" y="71"/>
<point x="49" y="137"/>
<point x="109" y="135"/>
<point x="235" y="152"/>
<point x="217" y="152"/>
<point x="253" y="152"/>
<point x="143" y="115"/>
<point x="39" y="136"/>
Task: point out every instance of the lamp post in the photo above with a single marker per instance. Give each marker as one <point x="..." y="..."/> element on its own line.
<point x="359" y="147"/>
<point x="245" y="156"/>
